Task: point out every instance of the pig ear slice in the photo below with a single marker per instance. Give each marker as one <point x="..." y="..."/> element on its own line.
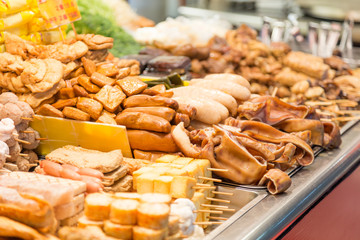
<point x="182" y="140"/>
<point x="276" y="181"/>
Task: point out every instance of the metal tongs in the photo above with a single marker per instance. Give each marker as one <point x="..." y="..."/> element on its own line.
<point x="346" y="43"/>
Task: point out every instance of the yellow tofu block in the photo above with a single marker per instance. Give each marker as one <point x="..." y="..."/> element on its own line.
<point x="176" y="172"/>
<point x="157" y="165"/>
<point x="177" y="166"/>
<point x="207" y="192"/>
<point x="166" y="159"/>
<point x="182" y="161"/>
<point x="137" y="173"/>
<point x="204" y="164"/>
<point x="194" y="171"/>
<point x="145" y="182"/>
<point x="161" y="170"/>
<point x="182" y="187"/>
<point x="198" y="199"/>
<point x="162" y="184"/>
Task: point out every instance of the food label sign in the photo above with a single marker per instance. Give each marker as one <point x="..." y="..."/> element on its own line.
<point x="59" y="12"/>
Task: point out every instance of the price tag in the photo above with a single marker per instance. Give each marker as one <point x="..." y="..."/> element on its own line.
<point x="59" y="12"/>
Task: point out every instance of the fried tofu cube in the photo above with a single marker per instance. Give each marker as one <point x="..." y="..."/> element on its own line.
<point x="198" y="199"/>
<point x="97" y="206"/>
<point x="176" y="172"/>
<point x="182" y="187"/>
<point x="138" y="172"/>
<point x="123" y="72"/>
<point x="66" y="93"/>
<point x="176" y="166"/>
<point x="89" y="65"/>
<point x="156" y="165"/>
<point x="182" y="161"/>
<point x="83" y="222"/>
<point x="153" y="215"/>
<point x="85" y="82"/>
<point x="145" y="183"/>
<point x="204" y="165"/>
<point x="48" y="110"/>
<point x="194" y="171"/>
<point x="132" y="85"/>
<point x="166" y="159"/>
<point x="101" y="80"/>
<point x="162" y="184"/>
<point x="118" y="230"/>
<point x="80" y="91"/>
<point x="110" y="97"/>
<point x="90" y="106"/>
<point x="207" y="191"/>
<point x="77" y="72"/>
<point x="106" y="117"/>
<point x="77" y="114"/>
<point x="61" y="103"/>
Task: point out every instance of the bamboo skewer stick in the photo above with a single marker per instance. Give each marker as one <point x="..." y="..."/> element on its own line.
<point x="7" y="155"/>
<point x="209" y="211"/>
<point x="31" y="164"/>
<point x="218" y="200"/>
<point x="41" y="139"/>
<point x="24" y="154"/>
<point x="226" y="209"/>
<point x="213" y="206"/>
<point x="37" y="117"/>
<point x="207" y="223"/>
<point x="26" y="118"/>
<point x="22" y="141"/>
<point x="27" y="131"/>
<point x="210" y="179"/>
<point x="218" y="170"/>
<point x="203" y="187"/>
<point x="274" y="92"/>
<point x="343" y="118"/>
<point x="314" y="103"/>
<point x="217" y="218"/>
<point x="223" y="193"/>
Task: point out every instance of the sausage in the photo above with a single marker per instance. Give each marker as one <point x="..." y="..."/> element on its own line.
<point x="142" y="100"/>
<point x="91" y="186"/>
<point x="229" y="77"/>
<point x="180" y="117"/>
<point x="164" y="112"/>
<point x="51" y="168"/>
<point x="155" y="90"/>
<point x="71" y="167"/>
<point x="61" y="103"/>
<point x="70" y="174"/>
<point x="151" y="141"/>
<point x="137" y="120"/>
<point x="188" y="110"/>
<point x="91" y="172"/>
<point x="80" y="91"/>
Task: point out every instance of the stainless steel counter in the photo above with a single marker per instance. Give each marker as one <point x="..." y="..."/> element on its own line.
<point x="265" y="215"/>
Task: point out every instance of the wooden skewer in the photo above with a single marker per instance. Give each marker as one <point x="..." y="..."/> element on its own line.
<point x="223" y="193"/>
<point x="218" y="200"/>
<point x="74" y="29"/>
<point x="23" y="154"/>
<point x="226" y="209"/>
<point x="208" y="211"/>
<point x="207" y="223"/>
<point x="31" y="164"/>
<point x="218" y="218"/>
<point x="26" y="118"/>
<point x="210" y="179"/>
<point x="218" y="170"/>
<point x="213" y="206"/>
<point x="204" y="187"/>
<point x="7" y="155"/>
<point x="274" y="92"/>
<point x="27" y="131"/>
<point x="345" y="118"/>
<point x="22" y="141"/>
<point x="311" y="103"/>
<point x="41" y="139"/>
<point x="347" y="112"/>
<point x="37" y="117"/>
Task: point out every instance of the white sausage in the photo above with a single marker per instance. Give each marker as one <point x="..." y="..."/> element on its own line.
<point x="229" y="77"/>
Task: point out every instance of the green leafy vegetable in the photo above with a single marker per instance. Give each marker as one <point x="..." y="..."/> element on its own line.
<point x="98" y="18"/>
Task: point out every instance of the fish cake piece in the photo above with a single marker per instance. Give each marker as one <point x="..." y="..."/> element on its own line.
<point x="85" y="82"/>
<point x="155" y="90"/>
<point x="182" y="187"/>
<point x="118" y="230"/>
<point x="123" y="211"/>
<point x="97" y="206"/>
<point x="106" y="117"/>
<point x="110" y="97"/>
<point x="108" y="69"/>
<point x="141" y="233"/>
<point x="155" y="198"/>
<point x="84" y="222"/>
<point x="132" y="85"/>
<point x="90" y="106"/>
<point x="143" y="100"/>
<point x="61" y="103"/>
<point x="153" y="215"/>
<point x="89" y="66"/>
<point x="151" y="141"/>
<point x="48" y="110"/>
<point x="80" y="91"/>
<point x="76" y="114"/>
<point x="67" y="92"/>
<point x="164" y="112"/>
<point x="101" y="80"/>
<point x="77" y="72"/>
<point x="138" y="120"/>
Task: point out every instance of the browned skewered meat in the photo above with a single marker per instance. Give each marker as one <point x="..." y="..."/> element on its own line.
<point x="30" y="136"/>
